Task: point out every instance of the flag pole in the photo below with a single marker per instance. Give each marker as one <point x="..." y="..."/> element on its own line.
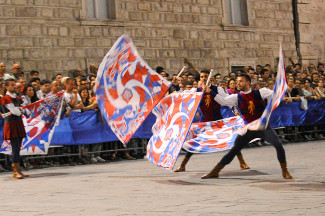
<point x="210" y="75"/>
<point x="180" y="73"/>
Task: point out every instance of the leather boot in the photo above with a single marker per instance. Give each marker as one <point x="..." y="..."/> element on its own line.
<point x="20" y="172"/>
<point x="285" y="172"/>
<point x="242" y="163"/>
<point x="181" y="168"/>
<point x="214" y="173"/>
<point x="16" y="174"/>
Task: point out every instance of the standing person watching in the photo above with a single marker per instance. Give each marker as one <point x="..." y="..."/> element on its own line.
<point x="3" y="75"/>
<point x="14" y="129"/>
<point x="16" y="71"/>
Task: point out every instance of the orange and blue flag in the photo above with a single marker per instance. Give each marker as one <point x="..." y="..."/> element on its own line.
<point x="175" y="114"/>
<point x="214" y="136"/>
<point x="127" y="89"/>
<point x="40" y="119"/>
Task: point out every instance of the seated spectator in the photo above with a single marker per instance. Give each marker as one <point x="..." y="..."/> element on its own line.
<point x="319" y="90"/>
<point x="28" y="95"/>
<point x="232" y="87"/>
<point x="45" y="89"/>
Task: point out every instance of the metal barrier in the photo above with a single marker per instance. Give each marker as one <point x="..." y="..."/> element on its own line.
<point x="292" y="133"/>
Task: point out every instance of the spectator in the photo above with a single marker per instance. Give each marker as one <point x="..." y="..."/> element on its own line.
<point x="217" y="77"/>
<point x="308" y="90"/>
<point x="232" y="87"/>
<point x="3" y="75"/>
<point x="265" y="75"/>
<point x="55" y="87"/>
<point x="84" y="83"/>
<point x="45" y="89"/>
<point x="319" y="90"/>
<point x="160" y="69"/>
<point x="77" y="72"/>
<point x="195" y="84"/>
<point x="320" y="67"/>
<point x="35" y="82"/>
<point x="71" y="96"/>
<point x="16" y="71"/>
<point x="258" y="69"/>
<point x="189" y="86"/>
<point x="251" y="73"/>
<point x="58" y="77"/>
<point x="315" y="79"/>
<point x="270" y="84"/>
<point x="28" y="95"/>
<point x="34" y="74"/>
<point x="93" y="69"/>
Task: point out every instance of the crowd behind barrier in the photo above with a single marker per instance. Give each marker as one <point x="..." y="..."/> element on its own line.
<point x="82" y="137"/>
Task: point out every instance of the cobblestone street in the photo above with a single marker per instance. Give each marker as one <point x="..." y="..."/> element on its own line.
<point x="140" y="188"/>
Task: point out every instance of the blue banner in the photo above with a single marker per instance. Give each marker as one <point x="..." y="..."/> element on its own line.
<point x="88" y="128"/>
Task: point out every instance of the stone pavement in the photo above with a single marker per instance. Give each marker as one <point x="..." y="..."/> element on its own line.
<point x="141" y="188"/>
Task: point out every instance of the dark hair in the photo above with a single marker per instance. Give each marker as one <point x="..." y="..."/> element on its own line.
<point x="33" y="72"/>
<point x="160" y="69"/>
<point x="263" y="71"/>
<point x="34" y="80"/>
<point x="54" y="77"/>
<point x="24" y="90"/>
<point x="9" y="80"/>
<point x="251" y="69"/>
<point x="267" y="65"/>
<point x="258" y="65"/>
<point x="45" y="82"/>
<point x="320" y="64"/>
<point x="308" y="80"/>
<point x="229" y="82"/>
<point x="84" y="79"/>
<point x="248" y="79"/>
<point x="205" y="71"/>
<point x="189" y="83"/>
<point x="218" y="74"/>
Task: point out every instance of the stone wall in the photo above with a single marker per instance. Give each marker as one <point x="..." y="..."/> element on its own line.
<point x="56" y="35"/>
<point x="312" y="30"/>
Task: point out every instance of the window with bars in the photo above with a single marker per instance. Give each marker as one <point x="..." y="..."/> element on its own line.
<point x="237" y="12"/>
<point x="101" y="9"/>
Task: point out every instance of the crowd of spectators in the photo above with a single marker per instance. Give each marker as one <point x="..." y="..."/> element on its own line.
<point x="78" y="97"/>
<point x="304" y="81"/>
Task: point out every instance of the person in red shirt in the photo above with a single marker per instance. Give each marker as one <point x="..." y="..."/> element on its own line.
<point x="14" y="129"/>
<point x="251" y="104"/>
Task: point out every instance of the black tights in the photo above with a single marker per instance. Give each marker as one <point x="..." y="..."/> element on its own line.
<point x="241" y="141"/>
<point x="15" y="147"/>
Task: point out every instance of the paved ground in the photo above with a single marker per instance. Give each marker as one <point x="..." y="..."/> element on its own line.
<point x="141" y="188"/>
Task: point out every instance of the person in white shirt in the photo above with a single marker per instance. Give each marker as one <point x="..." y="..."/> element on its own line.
<point x="71" y="96"/>
<point x="3" y="75"/>
<point x="251" y="104"/>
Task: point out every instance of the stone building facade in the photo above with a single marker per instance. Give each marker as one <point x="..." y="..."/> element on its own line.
<point x="59" y="35"/>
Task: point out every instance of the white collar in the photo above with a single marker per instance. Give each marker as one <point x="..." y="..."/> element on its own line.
<point x="13" y="95"/>
<point x="247" y="92"/>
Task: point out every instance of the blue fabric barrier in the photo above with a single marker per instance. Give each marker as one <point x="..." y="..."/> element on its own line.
<point x="87" y="127"/>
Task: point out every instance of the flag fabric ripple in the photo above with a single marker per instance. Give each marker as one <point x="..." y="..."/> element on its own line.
<point x="40" y="119"/>
<point x="127" y="89"/>
<point x="175" y="114"/>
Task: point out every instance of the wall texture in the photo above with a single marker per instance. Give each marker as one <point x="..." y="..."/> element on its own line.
<point x="57" y="35"/>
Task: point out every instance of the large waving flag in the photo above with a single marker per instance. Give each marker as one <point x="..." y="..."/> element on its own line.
<point x="40" y="120"/>
<point x="206" y="137"/>
<point x="127" y="89"/>
<point x="174" y="114"/>
<point x="278" y="93"/>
